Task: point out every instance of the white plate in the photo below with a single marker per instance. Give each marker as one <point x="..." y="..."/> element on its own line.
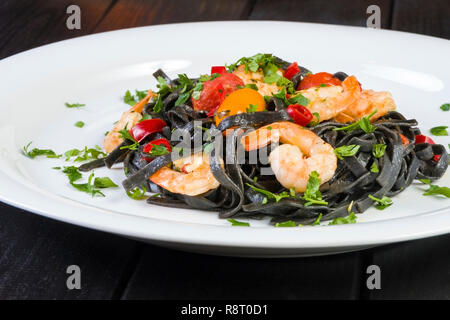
<point x="98" y="69"/>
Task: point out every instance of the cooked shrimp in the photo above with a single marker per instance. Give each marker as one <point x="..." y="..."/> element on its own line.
<point x="129" y="118"/>
<point x="329" y="101"/>
<point x="301" y="153"/>
<point x="194" y="178"/>
<point x="368" y="102"/>
<point x="257" y="78"/>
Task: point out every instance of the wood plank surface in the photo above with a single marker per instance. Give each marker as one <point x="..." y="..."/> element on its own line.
<point x="346" y="12"/>
<point x="133" y="13"/>
<point x="169" y="274"/>
<point x="430" y="17"/>
<point x="35" y="253"/>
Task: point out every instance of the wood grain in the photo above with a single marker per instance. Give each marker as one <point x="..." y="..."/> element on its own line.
<point x="26" y="24"/>
<point x="430" y="17"/>
<point x="134" y="13"/>
<point x="35" y="253"/>
<point x="169" y="274"/>
<point x="347" y="12"/>
<point x="417" y="269"/>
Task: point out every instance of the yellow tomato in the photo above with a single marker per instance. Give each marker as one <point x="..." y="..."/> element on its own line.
<point x="240" y="101"/>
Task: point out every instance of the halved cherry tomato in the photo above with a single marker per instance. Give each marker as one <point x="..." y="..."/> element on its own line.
<point x="291" y="71"/>
<point x="214" y="91"/>
<point x="301" y="115"/>
<point x="316" y="79"/>
<point x="144" y="128"/>
<point x="420" y="138"/>
<point x="158" y="142"/>
<point x="218" y="69"/>
<point x="239" y="102"/>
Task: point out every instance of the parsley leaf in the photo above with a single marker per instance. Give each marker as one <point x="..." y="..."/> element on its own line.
<point x="104" y="182"/>
<point x="158" y="150"/>
<point x="128" y="98"/>
<point x="435" y="189"/>
<point x="383" y="203"/>
<point x="346" y="151"/>
<point x="163" y="87"/>
<point x="285" y="224"/>
<point x="378" y="150"/>
<point x="317" y="222"/>
<point x="299" y="99"/>
<point x="312" y="194"/>
<point x="74" y="105"/>
<point x="269" y="194"/>
<point x="439" y="131"/>
<point x="127" y="136"/>
<point x="79" y="124"/>
<point x="351" y="218"/>
<point x="158" y="105"/>
<point x="363" y="123"/>
<point x="35" y="152"/>
<point x="445" y="107"/>
<point x="251" y="108"/>
<point x="87" y="187"/>
<point x="235" y="223"/>
<point x="374" y="168"/>
<point x="72" y="173"/>
<point x="137" y="193"/>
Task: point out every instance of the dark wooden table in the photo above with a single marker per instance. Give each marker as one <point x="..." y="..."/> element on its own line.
<point x="35" y="251"/>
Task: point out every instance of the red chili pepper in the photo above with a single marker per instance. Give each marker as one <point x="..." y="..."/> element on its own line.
<point x="405" y="140"/>
<point x="291" y="71"/>
<point x="420" y="138"/>
<point x="436" y="157"/>
<point x="299" y="114"/>
<point x="158" y="142"/>
<point x="144" y="128"/>
<point x="218" y="69"/>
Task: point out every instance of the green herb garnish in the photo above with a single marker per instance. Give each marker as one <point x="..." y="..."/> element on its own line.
<point x="158" y="150"/>
<point x="79" y="124"/>
<point x="87" y="187"/>
<point x="317" y="221"/>
<point x="251" y="108"/>
<point x="72" y="173"/>
<point x="236" y="223"/>
<point x="351" y="218"/>
<point x="137" y="193"/>
<point x="74" y="105"/>
<point x="378" y="150"/>
<point x="285" y="224"/>
<point x="374" y="168"/>
<point x="346" y="151"/>
<point x="439" y="131"/>
<point x="363" y="123"/>
<point x="104" y="182"/>
<point x="445" y="107"/>
<point x="269" y="194"/>
<point x="383" y="203"/>
<point x="435" y="189"/>
<point x="35" y="152"/>
<point x="312" y="194"/>
<point x="127" y="136"/>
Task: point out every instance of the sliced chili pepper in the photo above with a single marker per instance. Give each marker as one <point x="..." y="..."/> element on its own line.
<point x="436" y="157"/>
<point x="218" y="69"/>
<point x="291" y="71"/>
<point x="420" y="138"/>
<point x="158" y="142"/>
<point x="146" y="127"/>
<point x="301" y="115"/>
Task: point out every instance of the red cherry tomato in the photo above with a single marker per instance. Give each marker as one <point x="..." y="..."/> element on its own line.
<point x="218" y="69"/>
<point x="214" y="91"/>
<point x="144" y="128"/>
<point x="291" y="71"/>
<point x="299" y="114"/>
<point x="158" y="142"/>
<point x="316" y="79"/>
<point x="420" y="138"/>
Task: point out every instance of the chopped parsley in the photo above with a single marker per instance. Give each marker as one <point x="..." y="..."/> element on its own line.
<point x="35" y="152"/>
<point x="351" y="218"/>
<point x="131" y="99"/>
<point x="346" y="151"/>
<point x="88" y="187"/>
<point x="374" y="168"/>
<point x="445" y="107"/>
<point x="72" y="173"/>
<point x="235" y="223"/>
<point x="163" y="87"/>
<point x="104" y="182"/>
<point x="378" y="150"/>
<point x="312" y="194"/>
<point x="382" y="203"/>
<point x="74" y="105"/>
<point x="269" y="194"/>
<point x="435" y="189"/>
<point x="317" y="221"/>
<point x="439" y="131"/>
<point x="137" y="193"/>
<point x="363" y="123"/>
<point x="252" y="108"/>
<point x="127" y="136"/>
<point x="158" y="150"/>
<point x="285" y="224"/>
<point x="249" y="85"/>
<point x="84" y="154"/>
<point x="79" y="124"/>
